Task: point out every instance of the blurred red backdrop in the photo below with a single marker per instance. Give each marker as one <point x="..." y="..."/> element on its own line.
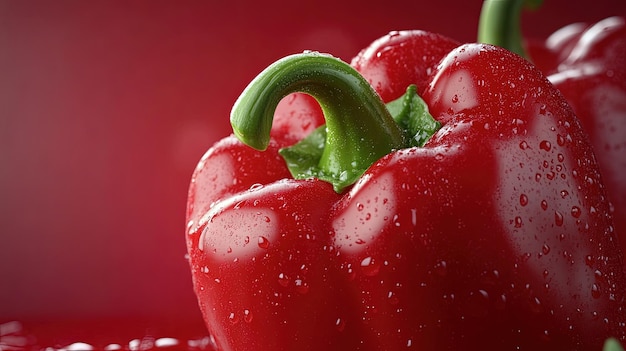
<point x="105" y="108"/>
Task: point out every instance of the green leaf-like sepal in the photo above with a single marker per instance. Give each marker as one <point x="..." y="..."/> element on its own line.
<point x="409" y="112"/>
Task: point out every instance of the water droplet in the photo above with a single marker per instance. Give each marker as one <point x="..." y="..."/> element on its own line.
<point x="595" y="291"/>
<point x="359" y="206"/>
<point x="518" y="222"/>
<point x="455" y="99"/>
<point x="545" y="249"/>
<point x="369" y="266"/>
<point x="558" y="218"/>
<point x="560" y="157"/>
<point x="523" y="199"/>
<point x="589" y="260"/>
<point x="263" y="242"/>
<point x="441" y="268"/>
<point x="535" y="304"/>
<point x="575" y="211"/>
<point x="523" y="145"/>
<point x="247" y="316"/>
<point x="564" y="193"/>
<point x="545" y="145"/>
<point x="256" y="186"/>
<point x="232" y="318"/>
<point x="302" y="287"/>
<point x="283" y="280"/>
<point x="560" y="140"/>
<point x="393" y="298"/>
<point x="544" y="205"/>
<point x="340" y="324"/>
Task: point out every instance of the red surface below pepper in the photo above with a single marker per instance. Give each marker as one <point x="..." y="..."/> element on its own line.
<point x="496" y="234"/>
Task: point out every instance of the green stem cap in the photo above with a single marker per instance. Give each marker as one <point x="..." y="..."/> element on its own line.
<point x="359" y="128"/>
<point x="500" y="23"/>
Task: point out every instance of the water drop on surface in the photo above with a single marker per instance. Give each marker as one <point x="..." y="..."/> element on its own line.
<point x="545" y="145"/>
<point x="595" y="291"/>
<point x="369" y="266"/>
<point x="518" y="222"/>
<point x="256" y="186"/>
<point x="575" y="211"/>
<point x="340" y="324"/>
<point x="302" y="287"/>
<point x="247" y="316"/>
<point x="283" y="280"/>
<point x="232" y="318"/>
<point x="535" y="305"/>
<point x="263" y="242"/>
<point x="523" y="199"/>
<point x="441" y="268"/>
<point x="523" y="145"/>
<point x="558" y="218"/>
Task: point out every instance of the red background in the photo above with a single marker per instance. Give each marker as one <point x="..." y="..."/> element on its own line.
<point x="105" y="108"/>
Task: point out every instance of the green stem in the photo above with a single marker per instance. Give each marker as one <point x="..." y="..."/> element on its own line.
<point x="359" y="128"/>
<point x="500" y="23"/>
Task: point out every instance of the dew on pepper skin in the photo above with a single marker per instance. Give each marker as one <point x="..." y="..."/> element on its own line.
<point x="441" y="268"/>
<point x="595" y="291"/>
<point x="283" y="280"/>
<point x="302" y="287"/>
<point x="589" y="260"/>
<point x="340" y="324"/>
<point x="558" y="218"/>
<point x="232" y="318"/>
<point x="523" y="200"/>
<point x="247" y="316"/>
<point x="263" y="242"/>
<point x="370" y="266"/>
<point x="545" y="145"/>
<point x="256" y="186"/>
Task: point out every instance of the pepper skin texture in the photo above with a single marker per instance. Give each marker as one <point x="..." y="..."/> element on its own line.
<point x="496" y="234"/>
<point x="587" y="63"/>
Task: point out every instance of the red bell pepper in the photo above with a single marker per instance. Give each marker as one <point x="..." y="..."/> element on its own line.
<point x="590" y="70"/>
<point x="587" y="63"/>
<point x="475" y="218"/>
<point x="493" y="233"/>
